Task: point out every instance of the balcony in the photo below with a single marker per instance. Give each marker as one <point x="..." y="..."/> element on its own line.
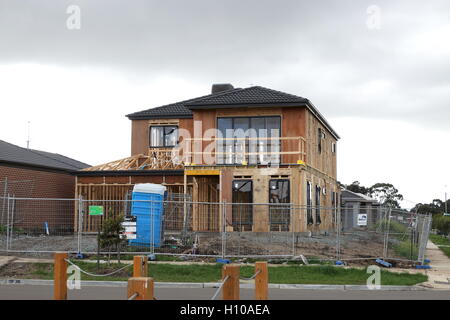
<point x="202" y="151"/>
<point x="244" y="151"/>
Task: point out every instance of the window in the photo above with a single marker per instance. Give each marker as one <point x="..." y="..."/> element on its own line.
<point x="333" y="147"/>
<point x="334" y="206"/>
<point x="242" y="210"/>
<point x="257" y="148"/>
<point x="320" y="137"/>
<point x="279" y="213"/>
<point x="318" y="190"/>
<point x="309" y="216"/>
<point x="163" y="136"/>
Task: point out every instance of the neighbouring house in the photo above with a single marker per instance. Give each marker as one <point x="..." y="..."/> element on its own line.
<point x="235" y="145"/>
<point x="28" y="173"/>
<point x="358" y="210"/>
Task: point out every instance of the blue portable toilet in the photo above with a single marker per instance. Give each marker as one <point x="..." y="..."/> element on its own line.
<point x="147" y="207"/>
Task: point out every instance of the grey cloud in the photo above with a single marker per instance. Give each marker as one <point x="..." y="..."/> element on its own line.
<point x="320" y="50"/>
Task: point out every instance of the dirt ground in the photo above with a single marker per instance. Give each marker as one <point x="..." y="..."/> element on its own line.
<point x="26" y="270"/>
<point x="21" y="270"/>
<point x="358" y="245"/>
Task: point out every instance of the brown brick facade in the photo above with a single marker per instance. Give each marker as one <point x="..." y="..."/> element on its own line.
<point x="47" y="184"/>
<point x="30" y="182"/>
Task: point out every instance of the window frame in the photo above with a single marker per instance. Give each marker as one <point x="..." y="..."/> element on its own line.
<point x="242" y="225"/>
<point x="333" y="147"/>
<point x="318" y="220"/>
<point x="222" y="158"/>
<point x="164" y="126"/>
<point x="280" y="212"/>
<point x="309" y="215"/>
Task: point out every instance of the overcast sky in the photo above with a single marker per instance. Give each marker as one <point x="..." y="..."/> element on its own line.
<point x="377" y="70"/>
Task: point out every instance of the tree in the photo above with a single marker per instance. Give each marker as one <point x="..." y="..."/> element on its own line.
<point x="386" y="194"/>
<point x="110" y="235"/>
<point x="442" y="224"/>
<point x="437" y="206"/>
<point x="356" y="186"/>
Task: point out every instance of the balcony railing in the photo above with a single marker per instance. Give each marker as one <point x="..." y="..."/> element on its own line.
<point x="203" y="151"/>
<point x="245" y="150"/>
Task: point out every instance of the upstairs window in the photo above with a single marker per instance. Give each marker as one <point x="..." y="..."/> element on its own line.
<point x="333" y="147"/>
<point x="250" y="139"/>
<point x="320" y="137"/>
<point x="163" y="136"/>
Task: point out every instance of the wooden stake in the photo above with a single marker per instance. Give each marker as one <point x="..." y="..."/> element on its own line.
<point x="143" y="286"/>
<point x="230" y="289"/>
<point x="60" y="276"/>
<point x="261" y="281"/>
<point x="140" y="266"/>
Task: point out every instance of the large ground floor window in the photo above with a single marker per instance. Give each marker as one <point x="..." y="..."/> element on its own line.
<point x="242" y="209"/>
<point x="280" y="210"/>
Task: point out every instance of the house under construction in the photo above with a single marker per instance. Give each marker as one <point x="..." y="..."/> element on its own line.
<point x="237" y="146"/>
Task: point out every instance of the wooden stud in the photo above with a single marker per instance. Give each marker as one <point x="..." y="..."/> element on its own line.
<point x="60" y="276"/>
<point x="143" y="286"/>
<point x="140" y="268"/>
<point x="230" y="289"/>
<point x="261" y="281"/>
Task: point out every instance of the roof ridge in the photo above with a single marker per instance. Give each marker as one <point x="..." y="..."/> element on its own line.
<point x="35" y="151"/>
<point x="41" y="156"/>
<point x="219" y="94"/>
<point x="187" y="101"/>
<point x="280" y="92"/>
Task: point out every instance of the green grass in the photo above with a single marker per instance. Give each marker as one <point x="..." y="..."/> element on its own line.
<point x="441" y="240"/>
<point x="212" y="273"/>
<point x="394" y="226"/>
<point x="333" y="275"/>
<point x="403" y="249"/>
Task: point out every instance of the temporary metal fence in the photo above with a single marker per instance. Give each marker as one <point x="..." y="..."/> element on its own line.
<point x="186" y="228"/>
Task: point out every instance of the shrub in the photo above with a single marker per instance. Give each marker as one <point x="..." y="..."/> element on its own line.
<point x="441" y="223"/>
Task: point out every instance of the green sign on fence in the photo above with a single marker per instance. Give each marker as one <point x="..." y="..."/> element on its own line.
<point x="95" y="210"/>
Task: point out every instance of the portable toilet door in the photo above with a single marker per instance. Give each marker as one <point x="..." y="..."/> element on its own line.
<point x="147" y="207"/>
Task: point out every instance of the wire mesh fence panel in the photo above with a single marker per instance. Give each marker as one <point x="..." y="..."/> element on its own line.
<point x="13" y="188"/>
<point x="424" y="228"/>
<point x="401" y="235"/>
<point x="360" y="236"/>
<point x="181" y="227"/>
<point x="318" y="240"/>
<point x="40" y="225"/>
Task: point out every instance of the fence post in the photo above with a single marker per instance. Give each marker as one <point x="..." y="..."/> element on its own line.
<point x="224" y="229"/>
<point x="140" y="266"/>
<point x="80" y="223"/>
<point x="7" y="224"/>
<point x="60" y="276"/>
<point x="230" y="289"/>
<point x="261" y="281"/>
<point x="142" y="286"/>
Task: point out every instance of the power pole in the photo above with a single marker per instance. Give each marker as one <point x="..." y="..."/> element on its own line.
<point x="28" y="141"/>
<point x="445" y="203"/>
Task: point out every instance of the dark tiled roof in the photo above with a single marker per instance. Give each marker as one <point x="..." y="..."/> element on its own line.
<point x="12" y="154"/>
<point x="235" y="98"/>
<point x="249" y="96"/>
<point x="173" y="110"/>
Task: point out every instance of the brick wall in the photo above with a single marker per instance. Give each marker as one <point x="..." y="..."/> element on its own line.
<point x="30" y="215"/>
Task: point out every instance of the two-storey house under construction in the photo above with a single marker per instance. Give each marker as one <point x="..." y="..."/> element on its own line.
<point x="245" y="146"/>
